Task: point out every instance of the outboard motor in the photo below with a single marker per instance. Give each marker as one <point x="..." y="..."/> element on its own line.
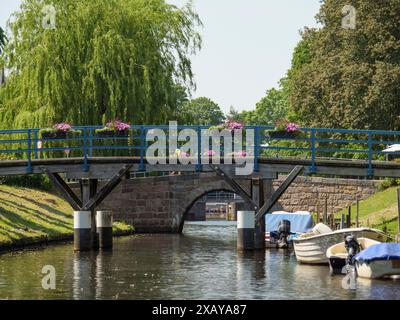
<point x="349" y="282"/>
<point x="283" y="233"/>
<point x="352" y="247"/>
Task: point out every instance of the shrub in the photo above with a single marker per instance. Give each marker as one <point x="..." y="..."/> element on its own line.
<point x="387" y="183"/>
<point x="35" y="181"/>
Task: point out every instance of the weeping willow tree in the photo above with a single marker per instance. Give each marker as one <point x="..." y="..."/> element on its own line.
<point x="104" y="59"/>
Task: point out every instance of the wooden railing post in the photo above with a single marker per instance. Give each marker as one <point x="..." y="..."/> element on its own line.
<point x="398" y="214"/>
<point x="29" y="169"/>
<point x="313" y="168"/>
<point x="358" y="213"/>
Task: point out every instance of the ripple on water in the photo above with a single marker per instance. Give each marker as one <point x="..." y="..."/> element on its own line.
<point x="200" y="264"/>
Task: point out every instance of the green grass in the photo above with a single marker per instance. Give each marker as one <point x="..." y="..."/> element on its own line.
<point x="378" y="211"/>
<point x="28" y="216"/>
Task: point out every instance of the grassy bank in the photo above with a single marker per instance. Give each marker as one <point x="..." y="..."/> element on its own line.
<point x="378" y="211"/>
<point x="30" y="216"/>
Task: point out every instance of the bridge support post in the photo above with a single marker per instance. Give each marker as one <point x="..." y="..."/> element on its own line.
<point x="88" y="191"/>
<point x="82" y="231"/>
<point x="104" y="222"/>
<point x="245" y="230"/>
<point x="257" y="194"/>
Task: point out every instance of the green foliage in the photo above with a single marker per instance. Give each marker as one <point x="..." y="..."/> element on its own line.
<point x="388" y="183"/>
<point x="70" y="133"/>
<point x="36" y="181"/>
<point x="29" y="215"/>
<point x="350" y="78"/>
<point x="105" y="60"/>
<point x="200" y="111"/>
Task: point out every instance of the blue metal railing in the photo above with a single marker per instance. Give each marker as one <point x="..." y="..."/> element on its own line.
<point x="309" y="143"/>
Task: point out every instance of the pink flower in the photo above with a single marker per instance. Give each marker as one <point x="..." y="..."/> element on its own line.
<point x="117" y="125"/>
<point x="63" y="127"/>
<point x="292" y="127"/>
<point x="234" y="125"/>
<point x="211" y="153"/>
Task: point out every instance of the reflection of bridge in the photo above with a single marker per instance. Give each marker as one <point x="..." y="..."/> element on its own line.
<point x="88" y="156"/>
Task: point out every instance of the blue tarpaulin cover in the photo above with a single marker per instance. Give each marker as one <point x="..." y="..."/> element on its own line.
<point x="299" y="223"/>
<point x="382" y="251"/>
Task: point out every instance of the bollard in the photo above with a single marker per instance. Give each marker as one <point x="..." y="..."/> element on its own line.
<point x="342" y="221"/>
<point x="104" y="222"/>
<point x="245" y="230"/>
<point x="82" y="231"/>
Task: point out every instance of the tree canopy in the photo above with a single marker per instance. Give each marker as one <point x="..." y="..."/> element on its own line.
<point x="352" y="76"/>
<point x="3" y="40"/>
<point x="108" y="59"/>
<point x="200" y="111"/>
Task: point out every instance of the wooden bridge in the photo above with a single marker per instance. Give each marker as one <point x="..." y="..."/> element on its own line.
<point x="87" y="155"/>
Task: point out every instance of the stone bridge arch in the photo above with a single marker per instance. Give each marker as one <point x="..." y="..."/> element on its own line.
<point x="188" y="208"/>
<point x="160" y="204"/>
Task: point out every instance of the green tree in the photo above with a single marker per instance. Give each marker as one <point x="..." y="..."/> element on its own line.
<point x="270" y="108"/>
<point x="200" y="111"/>
<point x="3" y="40"/>
<point x="105" y="59"/>
<point x="352" y="76"/>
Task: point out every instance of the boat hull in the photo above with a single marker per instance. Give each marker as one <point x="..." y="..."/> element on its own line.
<point x="312" y="249"/>
<point x="378" y="269"/>
<point x="337" y="254"/>
<point x="336" y="265"/>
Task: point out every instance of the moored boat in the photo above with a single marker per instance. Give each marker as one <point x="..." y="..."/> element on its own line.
<point x="338" y="254"/>
<point x="379" y="261"/>
<point x="312" y="247"/>
<point x="281" y="227"/>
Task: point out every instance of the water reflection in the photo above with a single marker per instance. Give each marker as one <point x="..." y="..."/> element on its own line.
<point x="201" y="264"/>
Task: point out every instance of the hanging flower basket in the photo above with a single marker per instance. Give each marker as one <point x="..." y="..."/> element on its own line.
<point x="112" y="133"/>
<point x="282" y="135"/>
<point x="115" y="128"/>
<point x="54" y="135"/>
<point x="59" y="131"/>
<point x="284" y="130"/>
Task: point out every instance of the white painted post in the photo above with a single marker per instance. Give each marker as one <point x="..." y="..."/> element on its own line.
<point x="104" y="222"/>
<point x="245" y="230"/>
<point x="82" y="231"/>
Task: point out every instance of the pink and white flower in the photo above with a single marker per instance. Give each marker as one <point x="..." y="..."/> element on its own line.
<point x="63" y="127"/>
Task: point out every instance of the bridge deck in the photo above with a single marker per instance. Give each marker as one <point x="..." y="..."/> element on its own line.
<point x="105" y="167"/>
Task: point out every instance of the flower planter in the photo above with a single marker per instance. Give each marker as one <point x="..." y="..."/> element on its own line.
<point x="54" y="135"/>
<point x="282" y="135"/>
<point x="112" y="133"/>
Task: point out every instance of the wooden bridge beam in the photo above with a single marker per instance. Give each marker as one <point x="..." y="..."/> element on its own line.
<point x="107" y="189"/>
<point x="278" y="193"/>
<point x="88" y="191"/>
<point x="257" y="194"/>
<point x="235" y="186"/>
<point x="64" y="189"/>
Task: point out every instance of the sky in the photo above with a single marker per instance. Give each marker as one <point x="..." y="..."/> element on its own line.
<point x="247" y="45"/>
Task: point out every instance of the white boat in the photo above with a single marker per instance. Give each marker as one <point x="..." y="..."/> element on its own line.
<point x="311" y="247"/>
<point x="337" y="254"/>
<point x="378" y="261"/>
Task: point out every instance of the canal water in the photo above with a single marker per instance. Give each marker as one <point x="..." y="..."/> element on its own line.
<point x="201" y="264"/>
